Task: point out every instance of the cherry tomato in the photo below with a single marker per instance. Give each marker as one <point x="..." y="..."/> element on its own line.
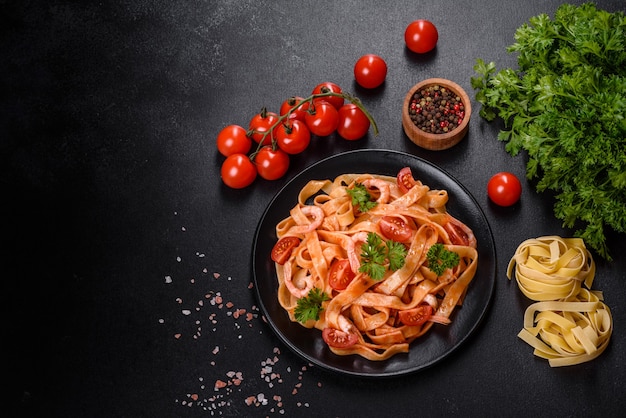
<point x="271" y="164"/>
<point x="233" y="140"/>
<point x="405" y="179"/>
<point x="459" y="233"/>
<point x="504" y="189"/>
<point x="339" y="339"/>
<point x="322" y="119"/>
<point x="297" y="113"/>
<point x="283" y="248"/>
<point x="260" y="123"/>
<point x="340" y="274"/>
<point x="370" y="71"/>
<point x="326" y="87"/>
<point x="416" y="316"/>
<point x="293" y="136"/>
<point x="352" y="124"/>
<point x="238" y="171"/>
<point x="395" y="228"/>
<point x="421" y="36"/>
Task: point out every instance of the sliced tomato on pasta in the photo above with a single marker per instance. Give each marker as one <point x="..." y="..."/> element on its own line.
<point x="283" y="248"/>
<point x="340" y="274"/>
<point x="416" y="316"/>
<point x="395" y="228"/>
<point x="405" y="179"/>
<point x="339" y="339"/>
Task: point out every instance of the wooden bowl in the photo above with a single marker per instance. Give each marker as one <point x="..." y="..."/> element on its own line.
<point x="436" y="141"/>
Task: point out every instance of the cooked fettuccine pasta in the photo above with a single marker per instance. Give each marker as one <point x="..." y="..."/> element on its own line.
<point x="325" y="248"/>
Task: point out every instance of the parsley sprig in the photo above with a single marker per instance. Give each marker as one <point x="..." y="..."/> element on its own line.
<point x="439" y="259"/>
<point x="310" y="306"/>
<point x="361" y="197"/>
<point x="376" y="255"/>
<point x="565" y="106"/>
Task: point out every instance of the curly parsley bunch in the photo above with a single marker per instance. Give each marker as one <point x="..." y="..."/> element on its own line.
<point x="566" y="107"/>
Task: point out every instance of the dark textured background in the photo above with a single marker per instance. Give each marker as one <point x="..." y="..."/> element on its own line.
<point x="120" y="237"/>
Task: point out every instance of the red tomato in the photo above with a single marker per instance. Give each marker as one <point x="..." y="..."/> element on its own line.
<point x="293" y="136"/>
<point x="421" y="36"/>
<point x="297" y="113"/>
<point x="271" y="164"/>
<point x="322" y="119"/>
<point x="340" y="274"/>
<point x="504" y="189"/>
<point x="405" y="179"/>
<point x="327" y="87"/>
<point x="238" y="171"/>
<point x="395" y="228"/>
<point x="260" y="123"/>
<point x="370" y="71"/>
<point x="339" y="339"/>
<point x="283" y="248"/>
<point x="416" y="316"/>
<point x="352" y="124"/>
<point x="233" y="140"/>
<point x="459" y="233"/>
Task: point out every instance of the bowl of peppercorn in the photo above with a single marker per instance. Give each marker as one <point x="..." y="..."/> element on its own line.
<point x="436" y="114"/>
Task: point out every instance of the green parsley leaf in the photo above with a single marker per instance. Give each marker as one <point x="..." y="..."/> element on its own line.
<point x="396" y="254"/>
<point x="361" y="197"/>
<point x="310" y="306"/>
<point x="376" y="254"/>
<point x="565" y="106"/>
<point x="439" y="259"/>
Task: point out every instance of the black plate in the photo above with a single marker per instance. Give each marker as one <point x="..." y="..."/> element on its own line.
<point x="440" y="340"/>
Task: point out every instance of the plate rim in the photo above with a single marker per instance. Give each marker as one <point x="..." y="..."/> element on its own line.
<point x="346" y="371"/>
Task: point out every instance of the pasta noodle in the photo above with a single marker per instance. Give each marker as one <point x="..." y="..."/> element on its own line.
<point x="331" y="229"/>
<point x="569" y="324"/>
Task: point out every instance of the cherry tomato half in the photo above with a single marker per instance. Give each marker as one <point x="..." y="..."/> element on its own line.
<point x="352" y="124"/>
<point x="283" y="248"/>
<point x="322" y="118"/>
<point x="421" y="36"/>
<point x="339" y="339"/>
<point x="293" y="136"/>
<point x="459" y="233"/>
<point x="271" y="164"/>
<point x="395" y="228"/>
<point x="504" y="189"/>
<point x="405" y="179"/>
<point x="238" y="171"/>
<point x="297" y="113"/>
<point x="325" y="87"/>
<point x="260" y="124"/>
<point x="416" y="316"/>
<point x="233" y="140"/>
<point x="370" y="71"/>
<point x="340" y="274"/>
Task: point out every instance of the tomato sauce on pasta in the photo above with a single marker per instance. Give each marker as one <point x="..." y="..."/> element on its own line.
<point x="373" y="318"/>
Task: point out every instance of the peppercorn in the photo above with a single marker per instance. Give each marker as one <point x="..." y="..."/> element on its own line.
<point x="437" y="110"/>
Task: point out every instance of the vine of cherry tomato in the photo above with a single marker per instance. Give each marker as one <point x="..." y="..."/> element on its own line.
<point x="289" y="132"/>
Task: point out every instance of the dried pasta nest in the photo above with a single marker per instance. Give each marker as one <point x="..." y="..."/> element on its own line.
<point x="568" y="324"/>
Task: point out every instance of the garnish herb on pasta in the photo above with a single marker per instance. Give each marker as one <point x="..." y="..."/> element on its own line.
<point x="376" y="254"/>
<point x="440" y="259"/>
<point x="361" y="197"/>
<point x="372" y="261"/>
<point x="310" y="306"/>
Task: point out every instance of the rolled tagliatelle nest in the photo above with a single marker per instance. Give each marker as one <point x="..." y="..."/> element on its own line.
<point x="569" y="324"/>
